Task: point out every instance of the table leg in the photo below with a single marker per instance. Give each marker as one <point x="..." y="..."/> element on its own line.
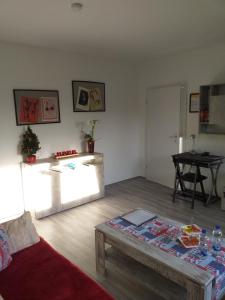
<point x="213" y="183"/>
<point x="216" y="175"/>
<point x="194" y="189"/>
<point x="100" y="252"/>
<point x="196" y="292"/>
<point x="177" y="180"/>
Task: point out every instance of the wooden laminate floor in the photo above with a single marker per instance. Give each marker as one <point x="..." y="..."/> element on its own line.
<point x="72" y="232"/>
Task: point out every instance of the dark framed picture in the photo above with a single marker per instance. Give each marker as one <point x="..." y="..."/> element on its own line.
<point x="194" y="103"/>
<point x="36" y="106"/>
<point x="88" y="96"/>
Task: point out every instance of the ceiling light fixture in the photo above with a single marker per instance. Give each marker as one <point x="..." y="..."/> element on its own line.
<point x="76" y="6"/>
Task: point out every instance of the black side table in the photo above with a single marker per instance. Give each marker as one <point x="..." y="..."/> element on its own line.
<point x="198" y="161"/>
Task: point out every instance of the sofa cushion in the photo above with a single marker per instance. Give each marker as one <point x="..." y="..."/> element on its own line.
<point x="5" y="257"/>
<point x="21" y="232"/>
<point x="39" y="272"/>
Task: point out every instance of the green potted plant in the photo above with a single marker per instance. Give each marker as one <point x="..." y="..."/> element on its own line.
<point x="29" y="145"/>
<point x="89" y="137"/>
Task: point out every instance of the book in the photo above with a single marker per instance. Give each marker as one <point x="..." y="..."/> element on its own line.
<point x="138" y="216"/>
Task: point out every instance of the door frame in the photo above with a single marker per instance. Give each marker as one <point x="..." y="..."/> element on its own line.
<point x="182" y="118"/>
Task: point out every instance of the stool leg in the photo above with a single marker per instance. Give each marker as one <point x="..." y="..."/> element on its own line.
<point x="202" y="185"/>
<point x="176" y="184"/>
<point x="203" y="191"/>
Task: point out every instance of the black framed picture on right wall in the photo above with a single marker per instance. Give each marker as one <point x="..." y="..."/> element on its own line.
<point x="194" y="103"/>
<point x="88" y="96"/>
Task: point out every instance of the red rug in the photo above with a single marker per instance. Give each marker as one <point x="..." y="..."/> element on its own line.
<point x="41" y="273"/>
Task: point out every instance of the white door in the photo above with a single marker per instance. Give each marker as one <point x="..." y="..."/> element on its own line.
<point x="163" y="118"/>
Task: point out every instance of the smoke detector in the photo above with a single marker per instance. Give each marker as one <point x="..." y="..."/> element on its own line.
<point x="76" y="6"/>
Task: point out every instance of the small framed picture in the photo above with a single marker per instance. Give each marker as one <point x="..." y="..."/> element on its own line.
<point x="36" y="106"/>
<point x="194" y="104"/>
<point x="88" y="96"/>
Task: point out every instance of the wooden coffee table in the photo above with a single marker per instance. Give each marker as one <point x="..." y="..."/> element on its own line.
<point x="197" y="282"/>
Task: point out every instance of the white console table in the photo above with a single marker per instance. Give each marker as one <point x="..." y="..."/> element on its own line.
<point x="51" y="185"/>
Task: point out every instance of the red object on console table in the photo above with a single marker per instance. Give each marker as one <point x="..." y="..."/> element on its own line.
<point x="64" y="154"/>
<point x="39" y="272"/>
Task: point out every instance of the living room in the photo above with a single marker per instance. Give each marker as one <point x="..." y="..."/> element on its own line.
<point x="41" y="58"/>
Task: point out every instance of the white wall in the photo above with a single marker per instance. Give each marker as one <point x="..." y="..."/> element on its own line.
<point x="36" y="68"/>
<point x="195" y="68"/>
<point x="121" y="131"/>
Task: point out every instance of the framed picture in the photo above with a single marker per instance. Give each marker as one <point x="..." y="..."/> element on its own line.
<point x="88" y="96"/>
<point x="36" y="106"/>
<point x="194" y="104"/>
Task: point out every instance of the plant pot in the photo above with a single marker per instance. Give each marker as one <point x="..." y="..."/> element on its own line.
<point x="91" y="146"/>
<point x="31" y="159"/>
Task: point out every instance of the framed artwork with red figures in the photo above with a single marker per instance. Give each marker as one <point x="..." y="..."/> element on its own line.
<point x="36" y="106"/>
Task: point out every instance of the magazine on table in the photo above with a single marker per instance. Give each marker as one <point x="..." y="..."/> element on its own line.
<point x="138" y="216"/>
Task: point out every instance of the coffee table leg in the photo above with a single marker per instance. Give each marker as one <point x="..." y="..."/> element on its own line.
<point x="196" y="292"/>
<point x="100" y="252"/>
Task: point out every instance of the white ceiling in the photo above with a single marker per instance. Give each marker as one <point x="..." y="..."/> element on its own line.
<point x="132" y="29"/>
